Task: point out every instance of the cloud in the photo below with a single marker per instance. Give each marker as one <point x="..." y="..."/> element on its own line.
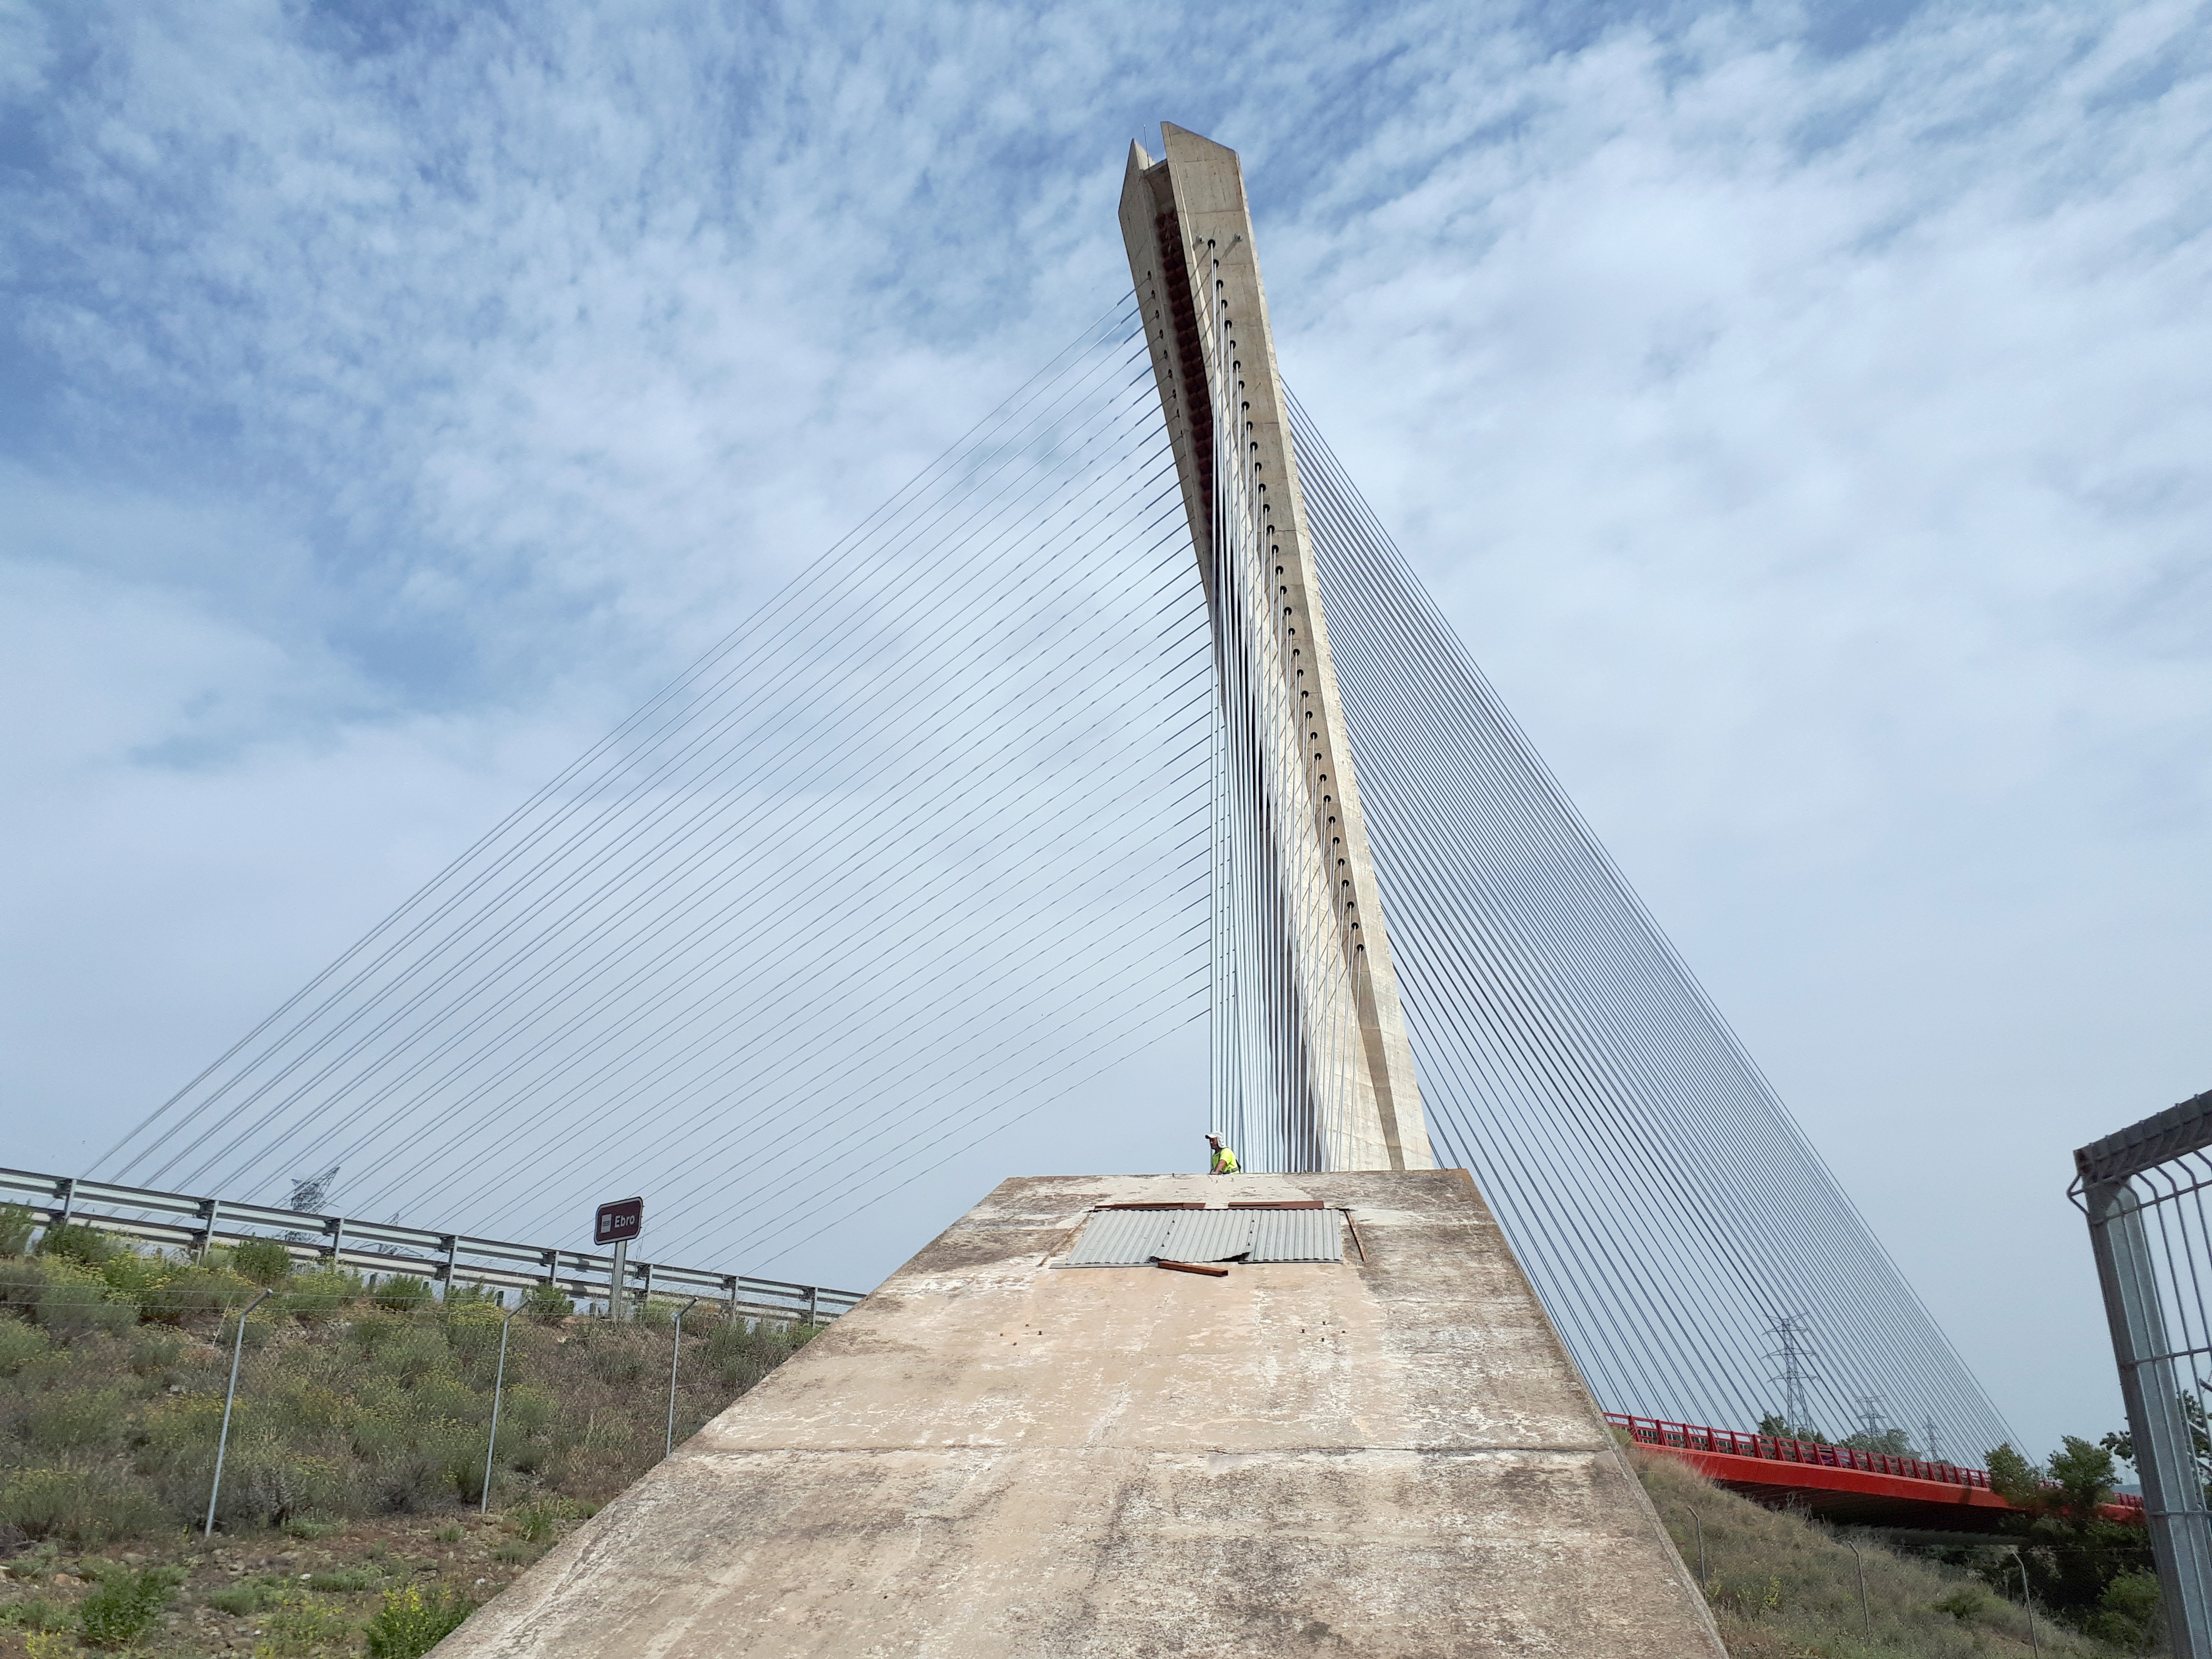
<point x="1806" y="432"/>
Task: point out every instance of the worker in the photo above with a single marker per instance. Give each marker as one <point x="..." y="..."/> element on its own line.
<point x="1224" y="1161"/>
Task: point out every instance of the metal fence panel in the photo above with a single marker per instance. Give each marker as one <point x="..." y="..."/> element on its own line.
<point x="2143" y="1190"/>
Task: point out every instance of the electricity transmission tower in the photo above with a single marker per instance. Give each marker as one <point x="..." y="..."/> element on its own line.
<point x="1791" y="1330"/>
<point x="311" y="1192"/>
<point x="1312" y="1067"/>
<point x="1874" y="1421"/>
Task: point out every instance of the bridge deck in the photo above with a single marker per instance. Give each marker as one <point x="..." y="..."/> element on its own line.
<point x="1839" y="1483"/>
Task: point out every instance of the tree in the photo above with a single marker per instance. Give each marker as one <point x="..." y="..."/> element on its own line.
<point x="2085" y="1480"/>
<point x="2014" y="1479"/>
<point x="2083" y="1566"/>
<point x="1774" y="1426"/>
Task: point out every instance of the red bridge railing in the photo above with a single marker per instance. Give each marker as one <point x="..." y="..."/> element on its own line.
<point x="1693" y="1437"/>
<point x="1697" y="1438"/>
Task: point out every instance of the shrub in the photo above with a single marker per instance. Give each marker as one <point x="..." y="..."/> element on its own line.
<point x="64" y="1420"/>
<point x="297" y="1623"/>
<point x="20" y="1344"/>
<point x="195" y="1292"/>
<point x="131" y="1273"/>
<point x="124" y="1605"/>
<point x="271" y="1483"/>
<point x="1964" y="1603"/>
<point x="22" y="1281"/>
<point x="347" y="1581"/>
<point x="412" y="1355"/>
<point x="157" y="1353"/>
<point x="403" y="1293"/>
<point x="741" y="1357"/>
<point x="536" y="1522"/>
<point x="614" y="1357"/>
<point x="75" y="1302"/>
<point x="547" y="1305"/>
<point x="87" y="1507"/>
<point x="321" y="1294"/>
<point x="18" y="1223"/>
<point x="411" y="1623"/>
<point x="527" y="1410"/>
<point x="36" y="1613"/>
<point x="77" y="1243"/>
<point x="266" y="1261"/>
<point x="2128" y="1613"/>
<point x="242" y="1600"/>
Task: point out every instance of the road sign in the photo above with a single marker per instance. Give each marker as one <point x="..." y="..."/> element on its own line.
<point x="618" y="1223"/>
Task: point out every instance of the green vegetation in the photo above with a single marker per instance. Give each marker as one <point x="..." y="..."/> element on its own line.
<point x="1782" y="1587"/>
<point x="263" y="1261"/>
<point x="2093" y="1572"/>
<point x="361" y="1420"/>
<point x="411" y="1623"/>
<point x="126" y="1605"/>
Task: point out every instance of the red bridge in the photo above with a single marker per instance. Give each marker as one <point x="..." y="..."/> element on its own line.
<point x="1840" y="1483"/>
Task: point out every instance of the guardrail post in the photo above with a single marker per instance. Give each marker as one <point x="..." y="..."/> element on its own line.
<point x="65" y="1190"/>
<point x="732" y="1312"/>
<point x="210" y="1208"/>
<point x="813" y="1300"/>
<point x="337" y="1238"/>
<point x="445" y="1273"/>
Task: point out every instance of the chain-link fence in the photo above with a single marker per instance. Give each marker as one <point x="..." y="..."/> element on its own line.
<point x="353" y="1397"/>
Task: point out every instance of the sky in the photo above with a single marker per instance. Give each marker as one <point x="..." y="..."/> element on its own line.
<point x="1802" y="413"/>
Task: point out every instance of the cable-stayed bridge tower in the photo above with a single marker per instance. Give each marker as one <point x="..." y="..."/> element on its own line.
<point x="1123" y="721"/>
<point x="1312" y="1066"/>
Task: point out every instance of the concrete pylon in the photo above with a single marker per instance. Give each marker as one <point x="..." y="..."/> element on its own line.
<point x="1006" y="1454"/>
<point x="1313" y="1069"/>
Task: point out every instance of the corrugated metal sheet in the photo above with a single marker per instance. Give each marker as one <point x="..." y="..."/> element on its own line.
<point x="1208" y="1235"/>
<point x="1297" y="1236"/>
<point x="1131" y="1238"/>
<point x="1122" y="1238"/>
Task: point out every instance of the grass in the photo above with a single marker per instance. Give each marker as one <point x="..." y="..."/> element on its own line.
<point x="348" y="1518"/>
<point x="1782" y="1587"/>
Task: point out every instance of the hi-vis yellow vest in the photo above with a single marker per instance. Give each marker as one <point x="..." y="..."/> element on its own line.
<point x="1224" y="1161"/>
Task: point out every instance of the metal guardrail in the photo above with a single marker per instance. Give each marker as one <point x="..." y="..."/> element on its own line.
<point x="386" y="1246"/>
<point x="2143" y="1190"/>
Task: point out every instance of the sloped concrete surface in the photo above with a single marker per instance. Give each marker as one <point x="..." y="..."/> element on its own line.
<point x="994" y="1455"/>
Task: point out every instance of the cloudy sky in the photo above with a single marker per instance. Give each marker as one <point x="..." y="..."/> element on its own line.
<point x="1801" y="412"/>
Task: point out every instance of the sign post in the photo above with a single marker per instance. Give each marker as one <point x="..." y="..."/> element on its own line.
<point x="616" y="1224"/>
